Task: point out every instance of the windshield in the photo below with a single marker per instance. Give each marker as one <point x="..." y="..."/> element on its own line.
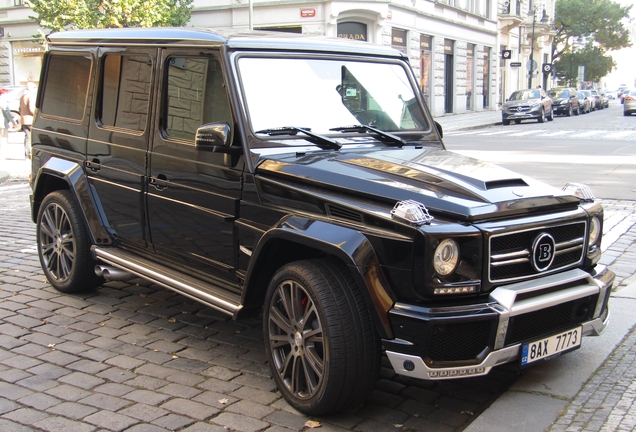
<point x="559" y="94"/>
<point x="525" y="94"/>
<point x="322" y="94"/>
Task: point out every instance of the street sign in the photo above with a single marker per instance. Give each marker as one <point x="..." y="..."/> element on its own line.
<point x="531" y="65"/>
<point x="547" y="68"/>
<point x="515" y="64"/>
<point x="506" y="54"/>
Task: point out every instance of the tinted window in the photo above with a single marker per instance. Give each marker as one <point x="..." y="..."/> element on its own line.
<point x="66" y="86"/>
<point x="125" y="91"/>
<point x="196" y="95"/>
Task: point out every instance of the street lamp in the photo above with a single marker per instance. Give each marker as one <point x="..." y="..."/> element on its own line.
<point x="532" y="67"/>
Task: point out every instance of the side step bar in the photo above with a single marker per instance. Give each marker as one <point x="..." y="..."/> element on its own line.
<point x="193" y="288"/>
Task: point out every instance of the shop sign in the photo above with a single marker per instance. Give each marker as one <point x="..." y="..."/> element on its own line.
<point x="25" y="49"/>
<point x="307" y="13"/>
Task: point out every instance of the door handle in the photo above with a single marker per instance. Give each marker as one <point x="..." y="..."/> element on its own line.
<point x="160" y="182"/>
<point x="93" y="165"/>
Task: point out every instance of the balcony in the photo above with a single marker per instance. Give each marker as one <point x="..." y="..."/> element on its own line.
<point x="510" y="15"/>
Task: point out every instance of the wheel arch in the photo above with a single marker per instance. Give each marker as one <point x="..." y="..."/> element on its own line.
<point x="299" y="239"/>
<point x="60" y="174"/>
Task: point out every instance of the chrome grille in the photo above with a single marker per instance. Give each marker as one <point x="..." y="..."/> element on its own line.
<point x="510" y="253"/>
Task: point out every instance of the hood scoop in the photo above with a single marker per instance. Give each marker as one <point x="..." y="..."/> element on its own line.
<point x="497" y="184"/>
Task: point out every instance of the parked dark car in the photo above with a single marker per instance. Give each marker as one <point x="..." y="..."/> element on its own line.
<point x="302" y="180"/>
<point x="584" y="102"/>
<point x="529" y="104"/>
<point x="605" y="97"/>
<point x="598" y="100"/>
<point x="566" y="101"/>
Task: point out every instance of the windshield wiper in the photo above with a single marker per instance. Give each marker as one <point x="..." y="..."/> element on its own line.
<point x="384" y="136"/>
<point x="319" y="140"/>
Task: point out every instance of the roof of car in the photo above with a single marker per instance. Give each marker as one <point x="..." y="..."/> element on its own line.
<point x="176" y="36"/>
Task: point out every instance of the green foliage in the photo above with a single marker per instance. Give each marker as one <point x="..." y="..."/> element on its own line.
<point x="596" y="63"/>
<point x="59" y="15"/>
<point x="599" y="22"/>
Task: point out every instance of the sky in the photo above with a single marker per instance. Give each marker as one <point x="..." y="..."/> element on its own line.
<point x="625" y="72"/>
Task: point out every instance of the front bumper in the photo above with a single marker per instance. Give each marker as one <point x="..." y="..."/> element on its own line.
<point x="534" y="113"/>
<point x="467" y="341"/>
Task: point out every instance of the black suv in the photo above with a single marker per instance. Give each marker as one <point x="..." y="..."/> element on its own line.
<point x="303" y="179"/>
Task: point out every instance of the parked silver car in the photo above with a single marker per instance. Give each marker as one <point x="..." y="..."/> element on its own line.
<point x="629" y="102"/>
<point x="530" y="104"/>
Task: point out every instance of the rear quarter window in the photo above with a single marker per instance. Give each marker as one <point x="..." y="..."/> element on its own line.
<point x="66" y="86"/>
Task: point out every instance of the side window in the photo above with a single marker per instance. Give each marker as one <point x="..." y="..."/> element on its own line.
<point x="66" y="86"/>
<point x="125" y="91"/>
<point x="196" y="96"/>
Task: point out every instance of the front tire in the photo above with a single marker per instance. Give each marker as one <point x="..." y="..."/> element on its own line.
<point x="323" y="351"/>
<point x="570" y="111"/>
<point x="541" y="118"/>
<point x="63" y="244"/>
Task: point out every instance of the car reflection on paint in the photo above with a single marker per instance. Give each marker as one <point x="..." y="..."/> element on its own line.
<point x="529" y="104"/>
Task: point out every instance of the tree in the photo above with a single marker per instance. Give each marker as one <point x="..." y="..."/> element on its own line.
<point x="599" y="22"/>
<point x="596" y="63"/>
<point x="59" y="15"/>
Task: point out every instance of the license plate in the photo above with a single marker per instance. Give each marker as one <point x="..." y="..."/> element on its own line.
<point x="549" y="347"/>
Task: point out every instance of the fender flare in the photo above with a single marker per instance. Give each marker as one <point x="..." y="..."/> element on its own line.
<point x="345" y="244"/>
<point x="73" y="176"/>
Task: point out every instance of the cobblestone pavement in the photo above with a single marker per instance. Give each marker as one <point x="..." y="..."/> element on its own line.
<point x="132" y="356"/>
<point x="607" y="402"/>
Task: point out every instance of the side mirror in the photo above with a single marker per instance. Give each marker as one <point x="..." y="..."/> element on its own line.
<point x="215" y="137"/>
<point x="439" y="130"/>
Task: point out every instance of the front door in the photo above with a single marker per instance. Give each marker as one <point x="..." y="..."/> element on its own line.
<point x="193" y="196"/>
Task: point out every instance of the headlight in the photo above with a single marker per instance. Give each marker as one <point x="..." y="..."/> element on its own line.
<point x="595" y="231"/>
<point x="446" y="257"/>
<point x="563" y="102"/>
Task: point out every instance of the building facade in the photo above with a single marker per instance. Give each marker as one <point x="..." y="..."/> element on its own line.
<point x="526" y="31"/>
<point x="453" y="45"/>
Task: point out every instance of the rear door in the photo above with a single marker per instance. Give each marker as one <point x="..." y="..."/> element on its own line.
<point x="118" y="140"/>
<point x="193" y="195"/>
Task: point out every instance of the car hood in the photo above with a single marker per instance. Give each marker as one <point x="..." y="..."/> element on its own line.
<point x="445" y="182"/>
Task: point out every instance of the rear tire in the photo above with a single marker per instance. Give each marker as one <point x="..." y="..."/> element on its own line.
<point x="64" y="246"/>
<point x="321" y="345"/>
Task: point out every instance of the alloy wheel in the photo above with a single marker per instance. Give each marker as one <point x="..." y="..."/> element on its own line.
<point x="57" y="242"/>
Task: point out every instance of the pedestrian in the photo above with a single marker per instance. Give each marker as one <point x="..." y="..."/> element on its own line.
<point x="539" y="86"/>
<point x="27" y="107"/>
<point x="6" y="124"/>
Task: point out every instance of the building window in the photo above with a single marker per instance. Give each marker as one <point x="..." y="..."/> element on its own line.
<point x="352" y="30"/>
<point x="398" y="40"/>
<point x="426" y="62"/>
<point x="486" y="81"/>
<point x="470" y="74"/>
